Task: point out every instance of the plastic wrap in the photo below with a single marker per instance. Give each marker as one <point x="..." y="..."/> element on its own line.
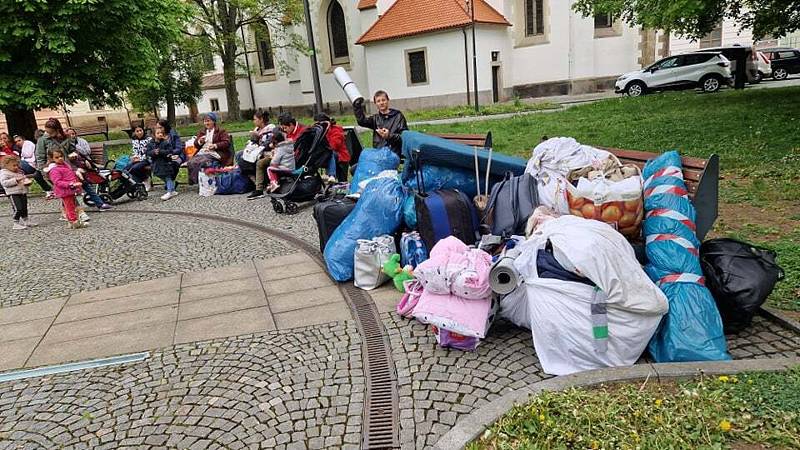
<point x="379" y="211"/>
<point x="371" y="163"/>
<point x="692" y="330"/>
<point x="410" y="213"/>
<point x="439" y="177"/>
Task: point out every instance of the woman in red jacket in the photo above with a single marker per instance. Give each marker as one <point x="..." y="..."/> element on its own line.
<point x="336" y="141"/>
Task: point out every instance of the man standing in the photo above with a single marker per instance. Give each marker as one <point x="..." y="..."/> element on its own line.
<point x="387" y="123"/>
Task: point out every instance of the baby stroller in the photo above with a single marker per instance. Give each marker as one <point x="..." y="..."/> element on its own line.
<point x="313" y="151"/>
<point x="112" y="184"/>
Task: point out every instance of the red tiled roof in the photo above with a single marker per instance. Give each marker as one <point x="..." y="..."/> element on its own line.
<point x="410" y="17"/>
<point x="213" y="80"/>
<point x="367" y="4"/>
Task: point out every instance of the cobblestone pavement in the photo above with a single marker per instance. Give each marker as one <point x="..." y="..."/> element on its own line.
<point x="165" y="400"/>
<point x="298" y="389"/>
<point x="119" y="249"/>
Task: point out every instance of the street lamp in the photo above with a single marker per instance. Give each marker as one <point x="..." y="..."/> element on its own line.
<point x="474" y="57"/>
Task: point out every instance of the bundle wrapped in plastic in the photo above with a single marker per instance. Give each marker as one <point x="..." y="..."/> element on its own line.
<point x="371" y="162"/>
<point x="378" y="212"/>
<point x="435" y="178"/>
<point x="692" y="331"/>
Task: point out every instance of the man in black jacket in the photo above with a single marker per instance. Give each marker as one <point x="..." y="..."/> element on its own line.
<point x="387" y="123"/>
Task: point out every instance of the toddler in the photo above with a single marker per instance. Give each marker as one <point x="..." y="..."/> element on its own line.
<point x="282" y="159"/>
<point x="165" y="162"/>
<point x="65" y="186"/>
<point x="16" y="184"/>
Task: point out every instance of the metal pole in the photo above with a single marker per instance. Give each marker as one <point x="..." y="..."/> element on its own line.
<point x="247" y="64"/>
<point x="314" y="68"/>
<point x="474" y="59"/>
<point x="466" y="64"/>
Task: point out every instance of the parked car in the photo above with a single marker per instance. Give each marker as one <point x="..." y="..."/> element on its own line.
<point x="784" y="60"/>
<point x="763" y="65"/>
<point x="707" y="71"/>
<point x="731" y="52"/>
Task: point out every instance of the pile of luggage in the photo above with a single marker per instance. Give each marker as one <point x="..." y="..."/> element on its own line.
<point x="466" y="236"/>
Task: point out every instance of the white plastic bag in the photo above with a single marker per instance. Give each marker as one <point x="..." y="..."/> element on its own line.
<point x="251" y="152"/>
<point x="369" y="258"/>
<point x="550" y="163"/>
<point x="207" y="184"/>
<point x="578" y="327"/>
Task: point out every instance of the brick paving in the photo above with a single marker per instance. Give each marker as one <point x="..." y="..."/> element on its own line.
<point x="301" y="388"/>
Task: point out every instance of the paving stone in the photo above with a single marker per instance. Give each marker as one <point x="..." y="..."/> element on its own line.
<point x="235" y="323"/>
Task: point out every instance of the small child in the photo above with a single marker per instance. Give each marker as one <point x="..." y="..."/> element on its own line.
<point x="282" y="159"/>
<point x="65" y="186"/>
<point x="164" y="162"/>
<point x="16" y="184"/>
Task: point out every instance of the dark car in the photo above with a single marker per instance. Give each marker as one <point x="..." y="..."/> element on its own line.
<point x="784" y="61"/>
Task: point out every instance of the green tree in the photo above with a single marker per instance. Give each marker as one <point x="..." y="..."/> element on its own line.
<point x="180" y="73"/>
<point x="57" y="52"/>
<point x="696" y="18"/>
<point x="222" y="22"/>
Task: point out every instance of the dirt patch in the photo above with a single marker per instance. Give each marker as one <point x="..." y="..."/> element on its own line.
<point x="778" y="221"/>
<point x="792" y="314"/>
<point x="740" y="445"/>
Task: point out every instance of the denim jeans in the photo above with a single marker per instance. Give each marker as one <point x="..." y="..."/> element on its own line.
<point x="169" y="184"/>
<point x="139" y="170"/>
<point x="37" y="176"/>
<point x="89" y="189"/>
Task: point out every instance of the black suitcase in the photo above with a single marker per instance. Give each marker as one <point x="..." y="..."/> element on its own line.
<point x="446" y="213"/>
<point x="329" y="214"/>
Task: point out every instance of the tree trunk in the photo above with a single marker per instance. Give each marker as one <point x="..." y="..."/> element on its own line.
<point x="21" y="122"/>
<point x="231" y="92"/>
<point x="170" y="96"/>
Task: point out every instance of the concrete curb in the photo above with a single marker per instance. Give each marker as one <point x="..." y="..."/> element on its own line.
<point x="780" y="318"/>
<point x="473" y="425"/>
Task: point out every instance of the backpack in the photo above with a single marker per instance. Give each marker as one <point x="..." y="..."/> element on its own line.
<point x="233" y="182"/>
<point x="511" y="202"/>
<point x="740" y="276"/>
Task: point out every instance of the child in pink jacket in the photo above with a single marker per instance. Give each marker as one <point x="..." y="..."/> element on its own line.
<point x="65" y="186"/>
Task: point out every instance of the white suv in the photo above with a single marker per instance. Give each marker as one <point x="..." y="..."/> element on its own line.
<point x="708" y="71"/>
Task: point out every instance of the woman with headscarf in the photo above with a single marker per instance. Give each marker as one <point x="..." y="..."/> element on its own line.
<point x="55" y="138"/>
<point x="215" y="147"/>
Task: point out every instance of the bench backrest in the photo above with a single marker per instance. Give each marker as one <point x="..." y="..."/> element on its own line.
<point x="99" y="155"/>
<point x="474" y="140"/>
<point x="88" y="130"/>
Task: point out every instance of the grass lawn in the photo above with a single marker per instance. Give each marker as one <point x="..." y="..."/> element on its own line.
<point x="756" y="133"/>
<point x="747" y="411"/>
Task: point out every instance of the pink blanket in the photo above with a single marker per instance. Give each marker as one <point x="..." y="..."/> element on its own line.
<point x="462" y="316"/>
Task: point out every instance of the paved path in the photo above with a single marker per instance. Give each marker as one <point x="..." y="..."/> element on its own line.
<point x="271" y="387"/>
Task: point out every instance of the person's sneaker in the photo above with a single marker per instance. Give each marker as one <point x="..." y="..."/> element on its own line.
<point x="27" y="222"/>
<point x="104" y="207"/>
<point x="18" y="226"/>
<point x="273" y="187"/>
<point x="173" y="194"/>
<point x="83" y="217"/>
<point x="166" y="196"/>
<point x="255" y="194"/>
<point x="148" y="185"/>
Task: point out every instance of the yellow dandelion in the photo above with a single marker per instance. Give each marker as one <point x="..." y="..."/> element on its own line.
<point x="749" y="381"/>
<point x="725" y="426"/>
<point x="541" y="417"/>
<point x="595" y="445"/>
<point x="724" y="378"/>
<point x="659" y="402"/>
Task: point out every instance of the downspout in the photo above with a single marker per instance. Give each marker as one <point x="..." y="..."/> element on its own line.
<point x="466" y="64"/>
<point x="247" y="65"/>
<point x="570" y="52"/>
<point x="474" y="59"/>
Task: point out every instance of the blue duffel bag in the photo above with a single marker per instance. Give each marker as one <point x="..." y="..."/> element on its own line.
<point x="233" y="182"/>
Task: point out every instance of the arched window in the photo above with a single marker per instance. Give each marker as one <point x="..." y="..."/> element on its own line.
<point x="266" y="58"/>
<point x="337" y="34"/>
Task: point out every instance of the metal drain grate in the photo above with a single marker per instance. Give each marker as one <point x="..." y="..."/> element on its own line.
<point x="381" y="416"/>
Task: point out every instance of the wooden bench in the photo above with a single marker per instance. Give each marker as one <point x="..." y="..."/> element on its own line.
<point x="134" y="124"/>
<point x="100" y="128"/>
<point x="701" y="176"/>
<point x="99" y="153"/>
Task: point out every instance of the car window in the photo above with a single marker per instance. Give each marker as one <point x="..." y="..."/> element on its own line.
<point x="696" y="58"/>
<point x="669" y="63"/>
<point x="783" y="55"/>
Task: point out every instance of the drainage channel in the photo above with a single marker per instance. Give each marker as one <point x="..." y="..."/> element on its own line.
<point x="380" y="425"/>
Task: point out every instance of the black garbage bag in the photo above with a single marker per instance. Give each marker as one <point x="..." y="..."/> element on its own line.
<point x="740" y="276"/>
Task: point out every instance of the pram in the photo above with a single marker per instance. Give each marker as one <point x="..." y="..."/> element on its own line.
<point x="312" y="148"/>
<point x="111" y="183"/>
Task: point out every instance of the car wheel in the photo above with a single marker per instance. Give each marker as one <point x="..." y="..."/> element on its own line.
<point x="710" y="83"/>
<point x="635" y="89"/>
<point x="780" y="74"/>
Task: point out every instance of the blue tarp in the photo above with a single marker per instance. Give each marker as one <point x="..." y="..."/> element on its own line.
<point x="378" y="212"/>
<point x="436" y="177"/>
<point x="436" y="151"/>
<point x="692" y="329"/>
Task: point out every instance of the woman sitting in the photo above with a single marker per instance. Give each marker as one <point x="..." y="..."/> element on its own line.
<point x="214" y="148"/>
<point x="258" y="144"/>
<point x="166" y="161"/>
<point x="139" y="167"/>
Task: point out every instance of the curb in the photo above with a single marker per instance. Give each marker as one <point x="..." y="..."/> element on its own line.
<point x="778" y="317"/>
<point x="473" y="425"/>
